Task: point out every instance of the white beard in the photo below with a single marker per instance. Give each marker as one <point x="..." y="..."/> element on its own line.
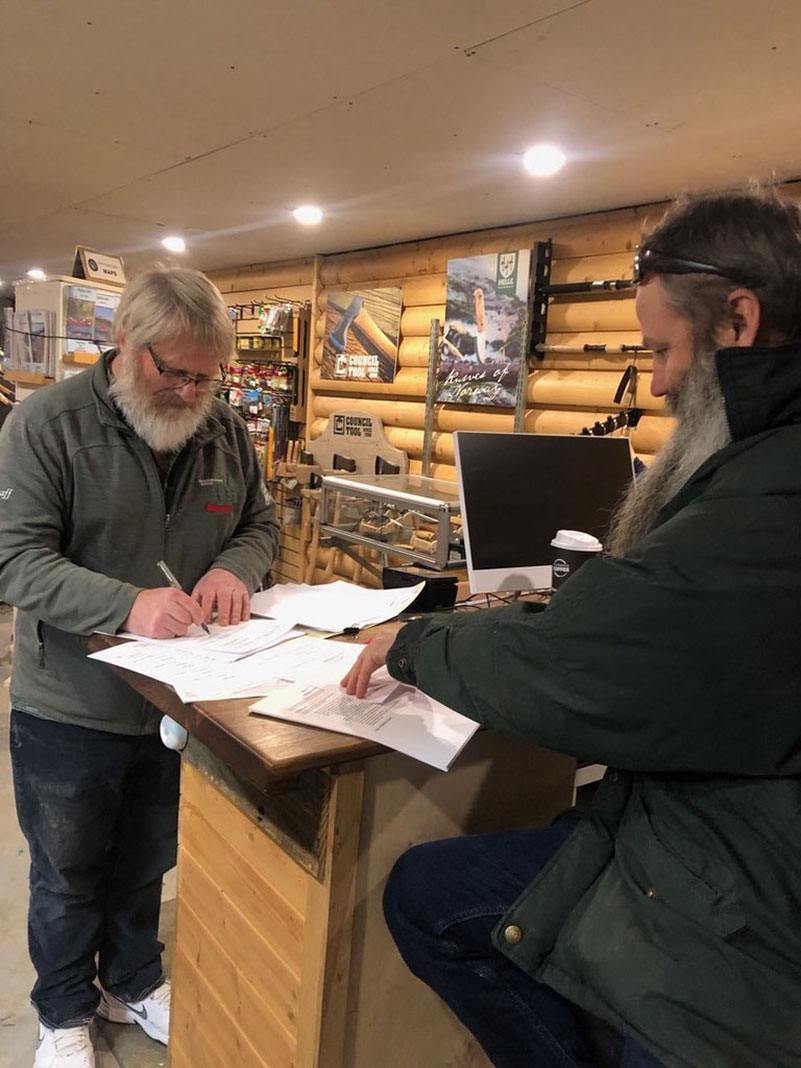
<point x="702" y="429"/>
<point x="162" y="420"/>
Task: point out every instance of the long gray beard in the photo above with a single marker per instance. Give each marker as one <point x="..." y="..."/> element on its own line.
<point x="701" y="430"/>
<point x="162" y="420"/>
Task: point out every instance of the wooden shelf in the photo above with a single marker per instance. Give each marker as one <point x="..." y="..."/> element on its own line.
<point x="87" y="359"/>
<point x="265" y="356"/>
<point x="27" y="378"/>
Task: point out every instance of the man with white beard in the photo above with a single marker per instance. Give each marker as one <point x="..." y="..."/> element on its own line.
<point x="658" y="927"/>
<point x="104" y="475"/>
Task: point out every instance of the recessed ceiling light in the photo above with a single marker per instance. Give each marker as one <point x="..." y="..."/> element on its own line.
<point x="37" y="274"/>
<point x="309" y="215"/>
<point x="174" y="244"/>
<point x="544" y="160"/>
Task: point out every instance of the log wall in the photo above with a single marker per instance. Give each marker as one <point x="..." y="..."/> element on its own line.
<point x="565" y="392"/>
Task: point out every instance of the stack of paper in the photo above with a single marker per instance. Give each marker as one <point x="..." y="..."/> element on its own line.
<point x="392" y="714"/>
<point x="299" y="675"/>
<point x="334" y="606"/>
<point x="197" y="673"/>
<point x="226" y="643"/>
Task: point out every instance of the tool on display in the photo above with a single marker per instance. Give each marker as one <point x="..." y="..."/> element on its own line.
<point x="339" y="335"/>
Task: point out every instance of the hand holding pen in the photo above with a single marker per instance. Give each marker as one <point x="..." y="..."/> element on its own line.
<point x="176" y="585"/>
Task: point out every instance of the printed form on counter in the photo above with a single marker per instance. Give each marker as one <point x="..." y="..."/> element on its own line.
<point x="392" y="714"/>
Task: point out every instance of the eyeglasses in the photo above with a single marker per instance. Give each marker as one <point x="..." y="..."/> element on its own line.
<point x="651" y="260"/>
<point x="178" y="379"/>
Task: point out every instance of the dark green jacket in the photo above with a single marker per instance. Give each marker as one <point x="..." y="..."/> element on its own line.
<point x="674" y="909"/>
<point x="84" y="518"/>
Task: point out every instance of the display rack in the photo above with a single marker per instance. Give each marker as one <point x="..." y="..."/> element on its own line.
<point x="267" y="380"/>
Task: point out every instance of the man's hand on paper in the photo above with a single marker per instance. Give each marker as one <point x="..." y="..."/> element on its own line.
<point x="222" y="589"/>
<point x="372" y="657"/>
<point x="162" y="613"/>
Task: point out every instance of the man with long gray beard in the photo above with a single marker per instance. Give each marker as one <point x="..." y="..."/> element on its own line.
<point x="103" y="475"/>
<point x="660" y="926"/>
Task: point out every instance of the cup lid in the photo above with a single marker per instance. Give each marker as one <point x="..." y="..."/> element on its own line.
<point x="576" y="540"/>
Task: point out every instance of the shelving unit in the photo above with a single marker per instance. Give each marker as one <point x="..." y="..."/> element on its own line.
<point x="289" y="349"/>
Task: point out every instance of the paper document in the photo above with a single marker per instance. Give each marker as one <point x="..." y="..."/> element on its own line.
<point x="393" y="714"/>
<point x="231" y="642"/>
<point x="196" y="677"/>
<point x="332" y="606"/>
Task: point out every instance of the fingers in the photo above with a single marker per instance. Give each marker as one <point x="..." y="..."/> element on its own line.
<point x="231" y="600"/>
<point x="182" y="612"/>
<point x="357" y="679"/>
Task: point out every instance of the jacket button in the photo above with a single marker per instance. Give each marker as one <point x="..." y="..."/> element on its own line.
<point x="651" y="892"/>
<point x="612" y="776"/>
<point x="403" y="663"/>
<point x="513" y="934"/>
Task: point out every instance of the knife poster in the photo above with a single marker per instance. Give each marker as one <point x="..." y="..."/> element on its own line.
<point x="486" y="311"/>
<point x="362" y="330"/>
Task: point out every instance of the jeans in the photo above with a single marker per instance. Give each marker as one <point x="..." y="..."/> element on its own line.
<point x="99" y="811"/>
<point x="441" y="903"/>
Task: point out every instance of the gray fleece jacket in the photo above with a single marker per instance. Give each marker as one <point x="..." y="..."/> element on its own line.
<point x="84" y="518"/>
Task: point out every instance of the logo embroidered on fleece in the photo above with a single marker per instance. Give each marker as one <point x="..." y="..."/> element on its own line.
<point x="6" y="493"/>
<point x="224" y="508"/>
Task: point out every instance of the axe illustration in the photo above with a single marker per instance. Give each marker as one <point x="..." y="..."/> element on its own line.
<point x="339" y="335"/>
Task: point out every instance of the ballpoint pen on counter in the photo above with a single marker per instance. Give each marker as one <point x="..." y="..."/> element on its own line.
<point x="173" y="581"/>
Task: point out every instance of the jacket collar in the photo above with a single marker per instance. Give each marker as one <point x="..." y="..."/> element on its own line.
<point x="110" y="415"/>
<point x="761" y="387"/>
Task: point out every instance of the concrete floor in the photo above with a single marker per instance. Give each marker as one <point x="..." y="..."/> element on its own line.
<point x="116" y="1045"/>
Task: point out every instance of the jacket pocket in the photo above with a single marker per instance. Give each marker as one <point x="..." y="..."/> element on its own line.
<point x="660" y="872"/>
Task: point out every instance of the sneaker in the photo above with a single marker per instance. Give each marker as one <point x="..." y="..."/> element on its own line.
<point x="64" y="1047"/>
<point x="151" y="1013"/>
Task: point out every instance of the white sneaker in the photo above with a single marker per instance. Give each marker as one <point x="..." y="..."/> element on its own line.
<point x="64" y="1047"/>
<point x="151" y="1013"/>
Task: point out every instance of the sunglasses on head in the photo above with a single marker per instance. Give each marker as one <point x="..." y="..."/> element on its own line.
<point x="652" y="261"/>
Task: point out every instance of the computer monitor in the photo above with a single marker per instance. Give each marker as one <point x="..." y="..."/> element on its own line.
<point x="517" y="490"/>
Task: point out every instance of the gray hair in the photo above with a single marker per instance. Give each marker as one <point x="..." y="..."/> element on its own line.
<point x="756" y="234"/>
<point x="166" y="304"/>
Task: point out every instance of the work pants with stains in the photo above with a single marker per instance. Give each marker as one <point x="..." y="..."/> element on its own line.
<point x="99" y="812"/>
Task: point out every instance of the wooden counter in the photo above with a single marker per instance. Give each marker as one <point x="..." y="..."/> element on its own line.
<point x="287" y="834"/>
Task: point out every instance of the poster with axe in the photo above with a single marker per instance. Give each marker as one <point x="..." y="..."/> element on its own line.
<point x="362" y="328"/>
<point x="486" y="310"/>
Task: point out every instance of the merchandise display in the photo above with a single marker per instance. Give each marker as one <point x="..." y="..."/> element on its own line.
<point x="266" y="381"/>
<point x="409" y="515"/>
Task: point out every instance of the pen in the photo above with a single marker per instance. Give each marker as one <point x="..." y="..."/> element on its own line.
<point x="173" y="581"/>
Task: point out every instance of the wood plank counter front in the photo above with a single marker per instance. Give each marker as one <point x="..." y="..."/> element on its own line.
<point x="286" y="837"/>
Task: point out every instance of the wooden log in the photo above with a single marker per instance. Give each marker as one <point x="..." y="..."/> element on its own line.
<point x="262" y="276"/>
<point x="430" y="289"/>
<point x="413" y="352"/>
<point x="411" y="414"/>
<point x="651" y="433"/>
<point x="592" y="268"/>
<point x="445" y="472"/>
<point x="416" y="322"/>
<point x="547" y="389"/>
<point x="409" y="382"/>
<point x="591" y="316"/>
<point x="574" y="236"/>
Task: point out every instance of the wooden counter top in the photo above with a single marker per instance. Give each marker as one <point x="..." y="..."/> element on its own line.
<point x="268" y="753"/>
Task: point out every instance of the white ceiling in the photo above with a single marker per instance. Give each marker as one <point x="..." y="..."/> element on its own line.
<point x="125" y="121"/>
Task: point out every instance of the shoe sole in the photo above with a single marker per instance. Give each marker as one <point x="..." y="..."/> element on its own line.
<point x="121" y="1014"/>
